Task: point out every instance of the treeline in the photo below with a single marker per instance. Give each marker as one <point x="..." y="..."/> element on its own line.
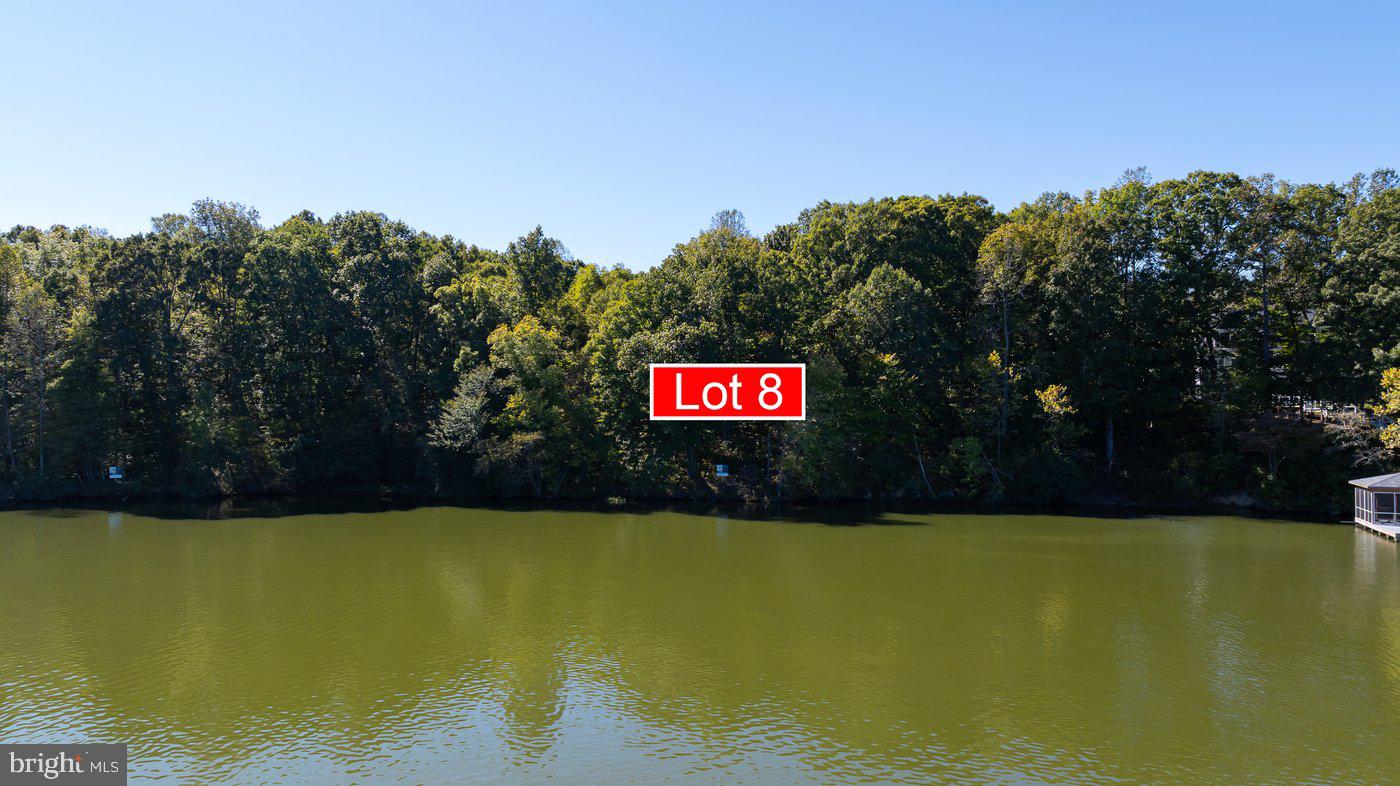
<point x="1148" y="341"/>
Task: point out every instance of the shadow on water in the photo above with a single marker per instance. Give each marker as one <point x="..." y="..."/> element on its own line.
<point x="831" y="514"/>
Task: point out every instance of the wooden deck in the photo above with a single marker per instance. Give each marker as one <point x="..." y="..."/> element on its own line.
<point x="1391" y="531"/>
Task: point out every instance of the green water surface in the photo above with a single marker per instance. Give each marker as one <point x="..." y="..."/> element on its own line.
<point x="442" y="645"/>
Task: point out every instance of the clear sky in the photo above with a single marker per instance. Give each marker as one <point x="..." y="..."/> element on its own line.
<point x="622" y="127"/>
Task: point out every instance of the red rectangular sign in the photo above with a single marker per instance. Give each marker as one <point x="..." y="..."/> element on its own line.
<point x="728" y="391"/>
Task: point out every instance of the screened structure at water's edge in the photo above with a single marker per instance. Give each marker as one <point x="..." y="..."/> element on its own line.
<point x="1376" y="499"/>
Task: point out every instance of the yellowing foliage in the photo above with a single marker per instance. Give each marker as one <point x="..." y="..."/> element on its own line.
<point x="1054" y="401"/>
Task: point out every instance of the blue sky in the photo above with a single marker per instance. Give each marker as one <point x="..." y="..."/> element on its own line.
<point x="622" y="127"/>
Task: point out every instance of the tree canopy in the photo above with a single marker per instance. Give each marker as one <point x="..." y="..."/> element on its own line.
<point x="1145" y="341"/>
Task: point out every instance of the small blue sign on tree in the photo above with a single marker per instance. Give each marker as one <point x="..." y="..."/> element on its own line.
<point x="721" y="470"/>
<point x="115" y="473"/>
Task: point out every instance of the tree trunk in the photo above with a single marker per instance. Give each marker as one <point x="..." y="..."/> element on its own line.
<point x="696" y="482"/>
<point x="1267" y="348"/>
<point x="9" y="431"/>
<point x="1108" y="444"/>
<point x="768" y="472"/>
<point x="39" y="399"/>
<point x="1005" y="373"/>
<point x="558" y="484"/>
<point x="919" y="454"/>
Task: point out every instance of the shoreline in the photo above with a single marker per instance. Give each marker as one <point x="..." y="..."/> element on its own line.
<point x="379" y="500"/>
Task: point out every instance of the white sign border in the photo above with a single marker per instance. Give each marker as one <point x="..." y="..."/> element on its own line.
<point x="651" y="391"/>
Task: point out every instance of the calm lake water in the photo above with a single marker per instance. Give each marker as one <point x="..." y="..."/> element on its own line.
<point x="477" y="645"/>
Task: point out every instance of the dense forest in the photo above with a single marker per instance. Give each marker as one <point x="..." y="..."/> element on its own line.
<point x="1212" y="337"/>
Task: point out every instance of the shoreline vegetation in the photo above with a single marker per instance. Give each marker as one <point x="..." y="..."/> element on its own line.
<point x="832" y="512"/>
<point x="1213" y="339"/>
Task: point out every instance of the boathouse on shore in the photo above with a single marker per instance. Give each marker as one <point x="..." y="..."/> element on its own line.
<point x="1376" y="507"/>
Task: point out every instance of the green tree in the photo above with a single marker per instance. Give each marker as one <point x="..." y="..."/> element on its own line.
<point x="33" y="343"/>
<point x="541" y="268"/>
<point x="1362" y="297"/>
